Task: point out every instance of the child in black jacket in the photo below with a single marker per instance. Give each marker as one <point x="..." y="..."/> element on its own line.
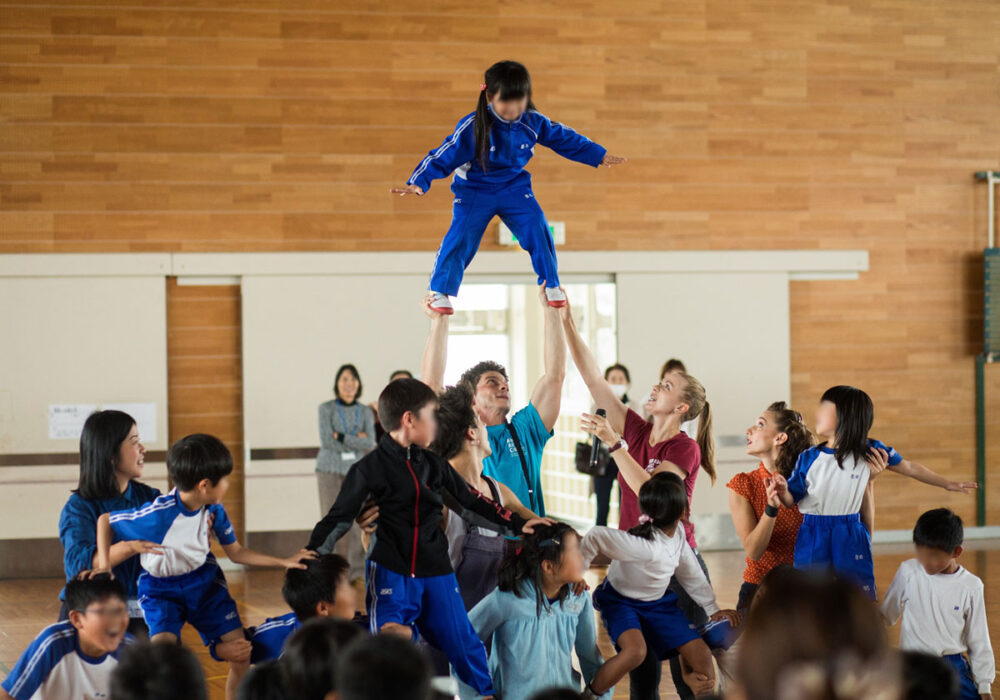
<point x="411" y="584"/>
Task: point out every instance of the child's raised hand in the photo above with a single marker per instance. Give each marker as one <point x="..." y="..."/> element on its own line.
<point x="962" y="486"/>
<point x="733" y="616"/>
<point x="878" y="461"/>
<point x="608" y="160"/>
<point x="529" y="527"/>
<point x="409" y="189"/>
<point x="296" y="560"/>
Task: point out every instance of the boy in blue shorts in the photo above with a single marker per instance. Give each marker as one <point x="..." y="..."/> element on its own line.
<point x="74" y="658"/>
<point x="181" y="581"/>
<point x="942" y="605"/>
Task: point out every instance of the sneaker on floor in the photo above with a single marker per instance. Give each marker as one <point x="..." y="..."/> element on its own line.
<point x="442" y="304"/>
<point x="555" y="296"/>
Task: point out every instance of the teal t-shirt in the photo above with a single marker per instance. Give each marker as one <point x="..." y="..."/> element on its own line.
<point x="504" y="464"/>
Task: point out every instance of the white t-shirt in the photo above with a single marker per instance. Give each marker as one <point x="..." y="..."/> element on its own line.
<point x="820" y="486"/>
<point x="54" y="668"/>
<point x="641" y="568"/>
<point x="182" y="532"/>
<point x="942" y="614"/>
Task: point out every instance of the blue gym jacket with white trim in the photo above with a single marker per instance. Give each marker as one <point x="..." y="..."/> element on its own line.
<point x="512" y="143"/>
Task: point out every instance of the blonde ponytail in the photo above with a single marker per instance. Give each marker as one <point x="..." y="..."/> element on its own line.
<point x="698" y="407"/>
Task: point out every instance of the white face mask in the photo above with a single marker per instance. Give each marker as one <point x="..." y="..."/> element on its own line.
<point x="619" y="390"/>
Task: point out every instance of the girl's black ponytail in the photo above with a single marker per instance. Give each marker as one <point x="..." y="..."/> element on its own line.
<point x="546" y="543"/>
<point x="511" y="81"/>
<point x="482" y="124"/>
<point x="663" y="501"/>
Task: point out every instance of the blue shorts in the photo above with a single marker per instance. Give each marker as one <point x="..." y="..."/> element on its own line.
<point x="967" y="684"/>
<point x="663" y="625"/>
<point x="838" y="542"/>
<point x="432" y="608"/>
<point x="200" y="597"/>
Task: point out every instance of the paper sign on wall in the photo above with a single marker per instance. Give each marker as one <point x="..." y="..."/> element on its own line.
<point x="144" y="414"/>
<point x="66" y="420"/>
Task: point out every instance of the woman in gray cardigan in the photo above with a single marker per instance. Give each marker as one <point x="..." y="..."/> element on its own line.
<point x="346" y="434"/>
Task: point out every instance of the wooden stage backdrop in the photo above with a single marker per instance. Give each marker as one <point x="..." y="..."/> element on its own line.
<point x="279" y="125"/>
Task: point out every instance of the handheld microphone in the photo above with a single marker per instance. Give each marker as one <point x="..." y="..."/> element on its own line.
<point x="596" y="445"/>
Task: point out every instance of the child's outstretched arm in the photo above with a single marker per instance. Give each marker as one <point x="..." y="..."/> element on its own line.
<point x="337" y="522"/>
<point x="573" y="145"/>
<point x="436" y="351"/>
<point x="457" y="149"/>
<point x="918" y="471"/>
<point x="614" y="544"/>
<point x="244" y="555"/>
<point x="471" y="504"/>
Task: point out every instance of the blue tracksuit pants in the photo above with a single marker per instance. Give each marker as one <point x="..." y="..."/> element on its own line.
<point x="472" y="211"/>
<point x="432" y="607"/>
<point x="840" y="542"/>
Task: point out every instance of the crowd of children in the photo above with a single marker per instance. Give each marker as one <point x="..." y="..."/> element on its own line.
<point x="512" y="624"/>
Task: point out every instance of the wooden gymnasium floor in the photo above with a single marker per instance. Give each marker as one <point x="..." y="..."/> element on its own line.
<point x="26" y="606"/>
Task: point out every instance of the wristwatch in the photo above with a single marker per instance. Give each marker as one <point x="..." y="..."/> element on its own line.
<point x="621" y="444"/>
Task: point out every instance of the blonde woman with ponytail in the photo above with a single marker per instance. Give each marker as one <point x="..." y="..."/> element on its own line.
<point x="641" y="449"/>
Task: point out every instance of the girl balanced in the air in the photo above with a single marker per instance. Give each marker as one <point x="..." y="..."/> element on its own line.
<point x="488" y="152"/>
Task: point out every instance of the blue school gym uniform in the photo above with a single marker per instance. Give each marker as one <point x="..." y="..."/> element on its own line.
<point x="269" y="637"/>
<point x="503" y="189"/>
<point x="184" y="583"/>
<point x="432" y="607"/>
<point x="829" y="497"/>
<point x="53" y="667"/>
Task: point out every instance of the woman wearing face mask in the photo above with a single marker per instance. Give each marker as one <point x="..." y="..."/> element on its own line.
<point x="617" y="375"/>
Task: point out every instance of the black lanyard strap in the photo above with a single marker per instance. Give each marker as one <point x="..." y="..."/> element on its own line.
<point x="524" y="465"/>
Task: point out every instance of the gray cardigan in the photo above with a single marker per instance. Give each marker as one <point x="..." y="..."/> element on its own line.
<point x="330" y="458"/>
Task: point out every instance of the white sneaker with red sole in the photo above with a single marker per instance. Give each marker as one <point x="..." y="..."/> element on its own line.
<point x="556" y="297"/>
<point x="442" y="304"/>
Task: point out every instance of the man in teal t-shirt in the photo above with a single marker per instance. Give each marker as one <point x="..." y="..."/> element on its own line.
<point x="517" y="440"/>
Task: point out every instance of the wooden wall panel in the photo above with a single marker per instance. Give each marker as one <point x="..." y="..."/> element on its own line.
<point x="205" y="374"/>
<point x="267" y="125"/>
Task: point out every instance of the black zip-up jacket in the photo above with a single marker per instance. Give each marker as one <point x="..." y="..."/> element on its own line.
<point x="410" y="486"/>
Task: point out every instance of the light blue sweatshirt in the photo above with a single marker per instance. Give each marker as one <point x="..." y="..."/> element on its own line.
<point x="531" y="652"/>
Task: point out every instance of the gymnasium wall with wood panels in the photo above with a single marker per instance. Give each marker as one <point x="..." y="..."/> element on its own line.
<point x="270" y="125"/>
